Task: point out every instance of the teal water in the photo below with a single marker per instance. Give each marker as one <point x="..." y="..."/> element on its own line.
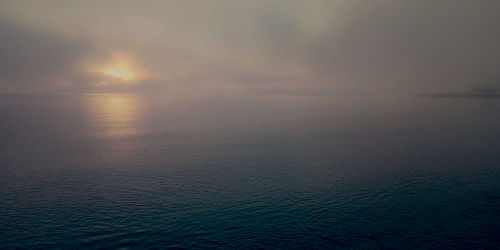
<point x="127" y="171"/>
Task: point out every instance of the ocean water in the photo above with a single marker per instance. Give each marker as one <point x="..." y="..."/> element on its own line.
<point x="130" y="171"/>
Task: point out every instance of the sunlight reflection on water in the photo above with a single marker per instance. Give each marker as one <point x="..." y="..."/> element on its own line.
<point x="114" y="115"/>
<point x="109" y="171"/>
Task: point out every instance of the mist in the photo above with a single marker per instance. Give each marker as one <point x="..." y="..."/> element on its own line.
<point x="232" y="48"/>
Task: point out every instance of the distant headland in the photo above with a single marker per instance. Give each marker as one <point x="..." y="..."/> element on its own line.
<point x="479" y="92"/>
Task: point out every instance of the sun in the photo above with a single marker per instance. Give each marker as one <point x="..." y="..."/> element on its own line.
<point x="121" y="67"/>
<point x="121" y="70"/>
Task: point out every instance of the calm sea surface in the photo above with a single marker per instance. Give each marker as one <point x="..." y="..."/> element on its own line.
<point x="127" y="171"/>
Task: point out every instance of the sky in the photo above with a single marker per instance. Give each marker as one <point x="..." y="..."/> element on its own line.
<point x="219" y="47"/>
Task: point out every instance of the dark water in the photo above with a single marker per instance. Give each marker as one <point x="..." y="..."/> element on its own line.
<point x="124" y="171"/>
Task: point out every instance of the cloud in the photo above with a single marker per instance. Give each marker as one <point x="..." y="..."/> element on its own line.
<point x="240" y="47"/>
<point x="405" y="45"/>
<point x="32" y="60"/>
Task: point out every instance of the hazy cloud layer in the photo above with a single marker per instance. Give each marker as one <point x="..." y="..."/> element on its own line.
<point x="31" y="60"/>
<point x="250" y="47"/>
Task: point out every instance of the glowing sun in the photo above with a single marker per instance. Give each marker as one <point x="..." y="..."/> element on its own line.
<point x="120" y="67"/>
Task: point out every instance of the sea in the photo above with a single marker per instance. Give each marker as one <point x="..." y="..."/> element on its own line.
<point x="124" y="171"/>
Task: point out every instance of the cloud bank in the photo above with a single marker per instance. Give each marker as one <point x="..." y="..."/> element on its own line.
<point x="249" y="47"/>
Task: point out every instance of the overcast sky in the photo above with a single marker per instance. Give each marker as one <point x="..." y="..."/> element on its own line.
<point x="249" y="47"/>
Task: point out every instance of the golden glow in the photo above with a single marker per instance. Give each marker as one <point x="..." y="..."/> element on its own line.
<point x="116" y="114"/>
<point x="114" y="117"/>
<point x="121" y="70"/>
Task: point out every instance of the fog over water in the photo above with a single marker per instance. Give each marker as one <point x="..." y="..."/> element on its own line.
<point x="249" y="124"/>
<point x="249" y="47"/>
<point x="109" y="171"/>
